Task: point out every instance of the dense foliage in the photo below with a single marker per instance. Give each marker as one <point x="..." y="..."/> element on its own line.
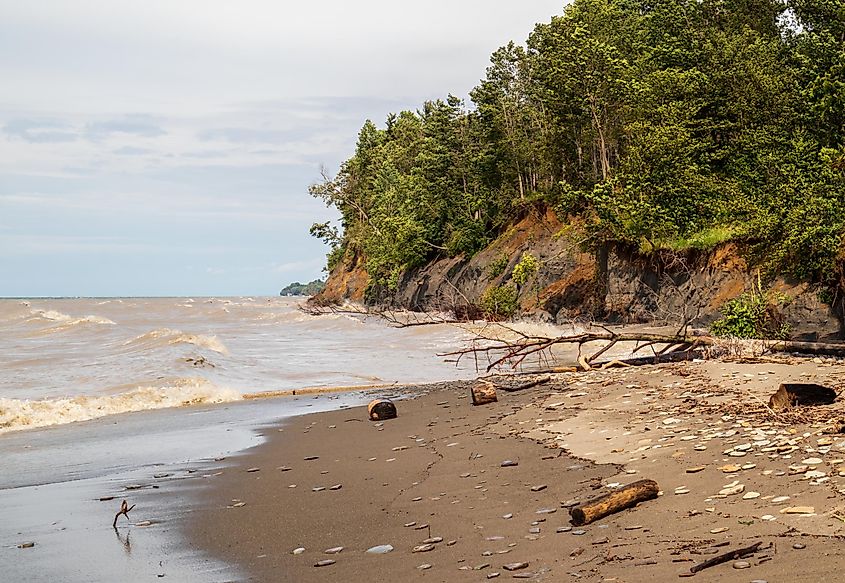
<point x="303" y="289"/>
<point x="661" y="123"/>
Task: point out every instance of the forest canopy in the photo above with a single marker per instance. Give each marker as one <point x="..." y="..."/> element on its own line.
<point x="663" y="124"/>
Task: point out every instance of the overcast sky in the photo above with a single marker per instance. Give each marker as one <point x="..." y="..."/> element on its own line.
<point x="165" y="147"/>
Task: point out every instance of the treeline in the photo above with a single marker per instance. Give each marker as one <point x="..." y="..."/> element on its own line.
<point x="656" y="123"/>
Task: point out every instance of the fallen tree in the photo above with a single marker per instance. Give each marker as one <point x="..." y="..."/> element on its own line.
<point x="515" y="350"/>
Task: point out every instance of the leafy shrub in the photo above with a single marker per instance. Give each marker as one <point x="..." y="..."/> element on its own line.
<point x="498" y="266"/>
<point x="526" y="267"/>
<point x="498" y="302"/>
<point x="754" y="314"/>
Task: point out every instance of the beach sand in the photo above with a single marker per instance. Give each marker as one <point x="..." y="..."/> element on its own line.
<point x="701" y="430"/>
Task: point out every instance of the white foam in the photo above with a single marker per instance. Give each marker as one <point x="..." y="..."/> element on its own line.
<point x="170" y="336"/>
<point x="68" y="321"/>
<point x="16" y="414"/>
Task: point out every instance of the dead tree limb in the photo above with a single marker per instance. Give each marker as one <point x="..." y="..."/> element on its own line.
<point x="725" y="557"/>
<point x="125" y="509"/>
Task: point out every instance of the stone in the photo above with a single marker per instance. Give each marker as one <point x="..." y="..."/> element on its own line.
<point x="423" y="548"/>
<point x="380" y="549"/>
<point x="799" y="546"/>
<point x="333" y="550"/>
<point x="741" y="565"/>
<point x="812" y="461"/>
<point x="696" y="469"/>
<point x="26" y="545"/>
<point x="325" y="563"/>
<point x="731" y="490"/>
<point x="798" y="510"/>
<point x="515" y="566"/>
<point x="509" y="464"/>
<point x="424" y="566"/>
<point x="750" y="495"/>
<point x="298" y="551"/>
<point x="539" y="488"/>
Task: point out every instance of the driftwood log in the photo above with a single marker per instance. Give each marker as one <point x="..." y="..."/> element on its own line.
<point x="381" y="409"/>
<point x="625" y="497"/>
<point x="790" y="395"/>
<point x="483" y="392"/>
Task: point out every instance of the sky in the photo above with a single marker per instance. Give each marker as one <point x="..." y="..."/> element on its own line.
<point x="165" y="148"/>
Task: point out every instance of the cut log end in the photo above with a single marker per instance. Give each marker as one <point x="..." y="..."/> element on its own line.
<point x="625" y="497"/>
<point x="381" y="409"/>
<point x="483" y="392"/>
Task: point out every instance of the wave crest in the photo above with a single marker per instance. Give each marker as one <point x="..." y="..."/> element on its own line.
<point x="16" y="414"/>
<point x="66" y="321"/>
<point x="169" y="336"/>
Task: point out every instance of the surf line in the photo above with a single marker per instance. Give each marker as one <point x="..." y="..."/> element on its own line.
<point x="326" y="390"/>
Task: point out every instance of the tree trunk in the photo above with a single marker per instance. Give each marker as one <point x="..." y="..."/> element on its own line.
<point x="625" y="497"/>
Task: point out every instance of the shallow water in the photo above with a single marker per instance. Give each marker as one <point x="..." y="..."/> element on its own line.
<point x="100" y="396"/>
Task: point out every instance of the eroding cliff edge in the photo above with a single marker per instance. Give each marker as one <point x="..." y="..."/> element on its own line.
<point x="616" y="283"/>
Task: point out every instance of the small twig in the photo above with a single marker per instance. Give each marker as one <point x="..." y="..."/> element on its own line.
<point x="724" y="558"/>
<point x="125" y="509"/>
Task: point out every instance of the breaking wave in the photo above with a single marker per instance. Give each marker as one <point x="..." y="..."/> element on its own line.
<point x="64" y="321"/>
<point x="168" y="336"/>
<point x="16" y="414"/>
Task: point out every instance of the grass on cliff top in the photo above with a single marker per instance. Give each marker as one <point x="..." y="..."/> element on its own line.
<point x="705" y="240"/>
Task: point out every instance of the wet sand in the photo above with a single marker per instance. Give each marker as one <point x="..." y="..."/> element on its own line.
<point x="722" y="460"/>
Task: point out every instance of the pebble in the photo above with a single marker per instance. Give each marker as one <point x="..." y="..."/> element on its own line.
<point x="696" y="469"/>
<point x="423" y="548"/>
<point x="515" y="566"/>
<point x="298" y="551"/>
<point x="731" y="490"/>
<point x="318" y="489"/>
<point x="812" y="461"/>
<point x="333" y="550"/>
<point x="579" y="532"/>
<point x="380" y="549"/>
<point x="325" y="563"/>
<point x="336" y="487"/>
<point x="682" y="491"/>
<point x="799" y="546"/>
<point x="564" y="529"/>
<point x="26" y="545"/>
<point x="509" y="464"/>
<point x="424" y="566"/>
<point x="250" y="470"/>
<point x="410" y="524"/>
<point x="311" y="458"/>
<point x="741" y="565"/>
<point x="492" y="575"/>
<point x="718" y="530"/>
<point x="547" y="511"/>
<point x="779" y="499"/>
<point x="434" y="539"/>
<point x="750" y="495"/>
<point x="539" y="488"/>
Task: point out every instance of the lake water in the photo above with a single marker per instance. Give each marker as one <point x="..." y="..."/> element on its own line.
<point x="143" y="398"/>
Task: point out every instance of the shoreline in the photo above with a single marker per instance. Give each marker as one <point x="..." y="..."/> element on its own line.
<point x="724" y="465"/>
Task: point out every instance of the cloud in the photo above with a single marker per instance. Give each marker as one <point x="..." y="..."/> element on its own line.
<point x="133" y="125"/>
<point x="40" y="131"/>
<point x="133" y="151"/>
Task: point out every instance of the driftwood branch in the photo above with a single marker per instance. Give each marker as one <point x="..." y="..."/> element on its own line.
<point x="125" y="509"/>
<point x="725" y="557"/>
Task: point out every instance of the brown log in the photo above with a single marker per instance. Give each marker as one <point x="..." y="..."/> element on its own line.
<point x="625" y="497"/>
<point x="790" y="395"/>
<point x="483" y="392"/>
<point x="381" y="409"/>
<point x="528" y="385"/>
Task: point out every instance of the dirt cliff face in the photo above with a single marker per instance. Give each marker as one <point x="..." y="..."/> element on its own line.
<point x="615" y="284"/>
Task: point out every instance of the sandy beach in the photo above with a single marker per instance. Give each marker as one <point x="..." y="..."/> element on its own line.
<point x="433" y="486"/>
